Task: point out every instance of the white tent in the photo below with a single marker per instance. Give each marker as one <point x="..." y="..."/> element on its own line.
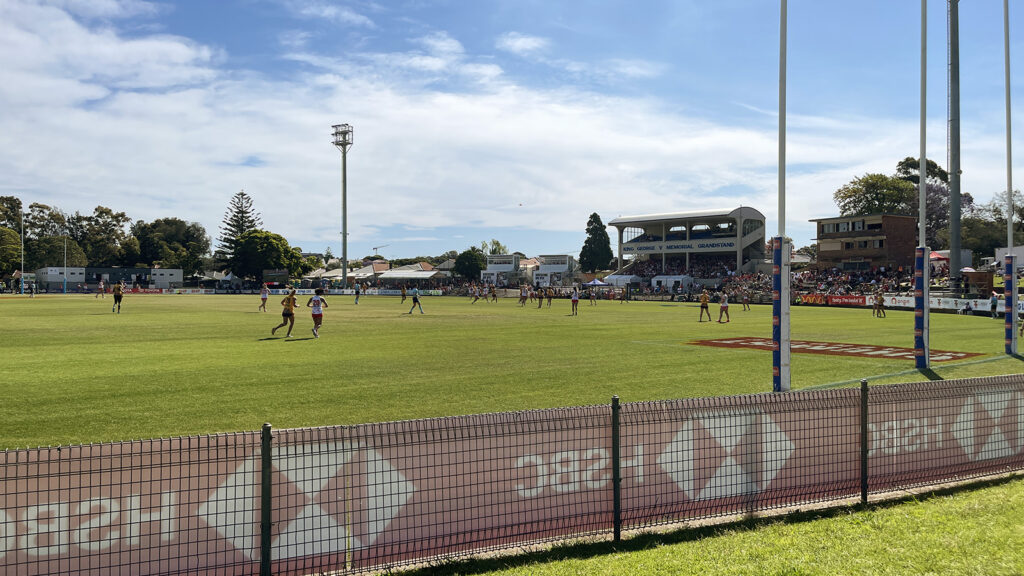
<point x="622" y="279"/>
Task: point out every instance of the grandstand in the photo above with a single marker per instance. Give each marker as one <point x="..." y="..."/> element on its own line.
<point x="506" y="270"/>
<point x="679" y="246"/>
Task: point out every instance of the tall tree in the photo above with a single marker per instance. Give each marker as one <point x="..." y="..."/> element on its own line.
<point x="10" y="251"/>
<point x="259" y="250"/>
<point x="51" y="251"/>
<point x="470" y="263"/>
<point x="240" y="218"/>
<point x="875" y="194"/>
<point x="597" y="248"/>
<point x="10" y="213"/>
<point x="493" y="247"/>
<point x="172" y="243"/>
<point x="909" y="169"/>
<point x="105" y="232"/>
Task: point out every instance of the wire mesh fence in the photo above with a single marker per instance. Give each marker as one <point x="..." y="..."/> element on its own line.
<point x="352" y="499"/>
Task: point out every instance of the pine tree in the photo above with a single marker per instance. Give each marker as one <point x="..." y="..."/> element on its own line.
<point x="239" y="219"/>
<point x="597" y="249"/>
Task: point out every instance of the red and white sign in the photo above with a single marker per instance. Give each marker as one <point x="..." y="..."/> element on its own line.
<point x="375" y="495"/>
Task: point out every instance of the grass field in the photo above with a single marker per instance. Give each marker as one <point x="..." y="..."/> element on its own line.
<point x="73" y="372"/>
<point x="177" y="365"/>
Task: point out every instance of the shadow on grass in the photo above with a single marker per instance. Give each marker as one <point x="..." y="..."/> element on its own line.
<point x="645" y="541"/>
<point x="930" y="374"/>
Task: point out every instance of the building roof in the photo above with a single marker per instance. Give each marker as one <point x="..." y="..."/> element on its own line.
<point x="745" y="212"/>
<point x="859" y="216"/>
<point x="410" y="274"/>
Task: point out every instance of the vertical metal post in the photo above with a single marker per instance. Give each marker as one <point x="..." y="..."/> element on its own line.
<point x="1010" y="282"/>
<point x="344" y="217"/>
<point x="953" y="18"/>
<point x="780" y="315"/>
<point x="616" y="471"/>
<point x="922" y="169"/>
<point x="922" y="354"/>
<point x="266" y="498"/>
<point x="864" y="441"/>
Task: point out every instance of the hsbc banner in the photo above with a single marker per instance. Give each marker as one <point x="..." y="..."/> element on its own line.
<point x="376" y="496"/>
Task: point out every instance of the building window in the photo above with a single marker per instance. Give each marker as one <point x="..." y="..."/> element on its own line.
<point x="879" y="243"/>
<point x="858" y="225"/>
<point x="828" y="228"/>
<point x="862" y="244"/>
<point x="844" y="226"/>
<point x="848" y="245"/>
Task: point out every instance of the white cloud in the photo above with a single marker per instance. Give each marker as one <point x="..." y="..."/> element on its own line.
<point x="317" y="10"/>
<point x="107" y="8"/>
<point x="82" y="126"/>
<point x="521" y="44"/>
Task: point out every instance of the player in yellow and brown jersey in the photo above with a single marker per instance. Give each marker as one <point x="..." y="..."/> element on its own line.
<point x="287" y="313"/>
<point x="704" y="299"/>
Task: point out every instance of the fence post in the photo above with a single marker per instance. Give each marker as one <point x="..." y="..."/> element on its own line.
<point x="266" y="501"/>
<point x="616" y="471"/>
<point x="864" y="441"/>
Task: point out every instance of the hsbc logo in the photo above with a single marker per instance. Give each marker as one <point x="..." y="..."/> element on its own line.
<point x="991" y="425"/>
<point x="746" y="450"/>
<point x="332" y="486"/>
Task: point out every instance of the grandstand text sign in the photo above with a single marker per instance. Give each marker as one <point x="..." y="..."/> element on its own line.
<point x="353" y="498"/>
<point x="680" y="246"/>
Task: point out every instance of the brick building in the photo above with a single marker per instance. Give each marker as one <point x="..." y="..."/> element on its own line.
<point x="862" y="242"/>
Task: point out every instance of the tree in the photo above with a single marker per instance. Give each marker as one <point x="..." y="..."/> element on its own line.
<point x="10" y="212"/>
<point x="49" y="252"/>
<point x="909" y="169"/>
<point x="239" y="219"/>
<point x="809" y="251"/>
<point x="597" y="248"/>
<point x="470" y="263"/>
<point x="10" y="251"/>
<point x="259" y="250"/>
<point x="875" y="194"/>
<point x="172" y="243"/>
<point x="493" y="247"/>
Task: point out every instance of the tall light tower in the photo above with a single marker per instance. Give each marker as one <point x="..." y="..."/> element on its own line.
<point x="343" y="141"/>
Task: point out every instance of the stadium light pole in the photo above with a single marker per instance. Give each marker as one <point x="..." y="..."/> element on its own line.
<point x="21" y="211"/>
<point x="780" y="248"/>
<point x="1010" y="277"/>
<point x="343" y="141"/>
<point x="65" y="262"/>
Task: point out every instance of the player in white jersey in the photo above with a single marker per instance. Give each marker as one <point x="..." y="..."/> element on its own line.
<point x="317" y="303"/>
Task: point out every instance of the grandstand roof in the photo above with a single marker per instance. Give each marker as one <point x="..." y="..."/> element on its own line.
<point x="745" y="212"/>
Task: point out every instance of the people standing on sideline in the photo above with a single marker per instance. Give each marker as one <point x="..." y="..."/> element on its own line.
<point x="415" y="293"/>
<point x="723" y="308"/>
<point x="575" y="301"/>
<point x="994" y="303"/>
<point x="403" y="294"/>
<point x="101" y="291"/>
<point x="317" y="303"/>
<point x="879" y="304"/>
<point x="704" y="299"/>
<point x="264" y="294"/>
<point x="287" y="313"/>
<point x="118" y="296"/>
<point x="358" y="288"/>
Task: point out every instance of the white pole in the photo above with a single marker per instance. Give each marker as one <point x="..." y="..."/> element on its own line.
<point x="922" y="170"/>
<point x="1011" y="283"/>
<point x="782" y="121"/>
<point x="784" y="283"/>
<point x="65" y="264"/>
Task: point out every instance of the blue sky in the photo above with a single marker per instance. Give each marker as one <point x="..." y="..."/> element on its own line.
<point x="474" y="120"/>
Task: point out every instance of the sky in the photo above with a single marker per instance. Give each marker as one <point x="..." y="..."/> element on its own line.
<point x="475" y="120"/>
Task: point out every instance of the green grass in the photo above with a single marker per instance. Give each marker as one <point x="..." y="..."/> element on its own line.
<point x="73" y="372"/>
<point x="175" y="365"/>
<point x="975" y="532"/>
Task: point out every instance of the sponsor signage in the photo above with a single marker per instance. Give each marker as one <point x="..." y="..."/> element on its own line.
<point x="681" y="246"/>
<point x="836" y="349"/>
<point x="355" y="497"/>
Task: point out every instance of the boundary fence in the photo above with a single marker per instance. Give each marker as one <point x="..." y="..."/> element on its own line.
<point x="380" y="496"/>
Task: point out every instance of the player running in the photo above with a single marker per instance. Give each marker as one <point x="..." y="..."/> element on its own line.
<point x="415" y="293"/>
<point x="704" y="299"/>
<point x="101" y="291"/>
<point x="403" y="294"/>
<point x="358" y="288"/>
<point x="287" y="314"/>
<point x="264" y="294"/>
<point x="118" y="295"/>
<point x="522" y="295"/>
<point x="317" y="303"/>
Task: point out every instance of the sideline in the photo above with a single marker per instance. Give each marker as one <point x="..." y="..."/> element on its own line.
<point x="903" y="373"/>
